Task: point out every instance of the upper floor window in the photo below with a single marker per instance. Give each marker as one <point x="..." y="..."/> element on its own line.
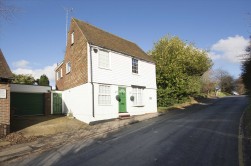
<point x="135" y="66"/>
<point x="103" y="59"/>
<point x="72" y="38"/>
<point x="68" y="67"/>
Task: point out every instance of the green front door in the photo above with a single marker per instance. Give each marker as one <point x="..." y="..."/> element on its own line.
<point x="122" y="99"/>
<point x="57" y="103"/>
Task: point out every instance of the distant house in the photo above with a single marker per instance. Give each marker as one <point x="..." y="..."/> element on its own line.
<point x="5" y="79"/>
<point x="5" y="72"/>
<point x="104" y="76"/>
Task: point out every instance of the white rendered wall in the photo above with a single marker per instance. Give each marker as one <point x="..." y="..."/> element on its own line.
<point x="112" y="110"/>
<point x="78" y="101"/>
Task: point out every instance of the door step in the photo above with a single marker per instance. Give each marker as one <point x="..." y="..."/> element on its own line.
<point x="124" y="115"/>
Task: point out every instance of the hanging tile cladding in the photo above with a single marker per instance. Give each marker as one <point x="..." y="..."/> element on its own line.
<point x="76" y="54"/>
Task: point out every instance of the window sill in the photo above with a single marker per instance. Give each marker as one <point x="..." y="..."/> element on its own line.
<point x="139" y="106"/>
<point x="136" y="74"/>
<point x="104" y="105"/>
<point x="105" y="68"/>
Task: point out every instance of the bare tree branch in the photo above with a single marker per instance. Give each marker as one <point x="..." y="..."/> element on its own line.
<point x="7" y="12"/>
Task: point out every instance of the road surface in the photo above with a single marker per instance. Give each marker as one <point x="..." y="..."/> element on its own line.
<point x="206" y="135"/>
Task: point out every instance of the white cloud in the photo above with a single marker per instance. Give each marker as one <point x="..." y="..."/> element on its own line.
<point x="21" y="64"/>
<point x="36" y="73"/>
<point x="230" y="49"/>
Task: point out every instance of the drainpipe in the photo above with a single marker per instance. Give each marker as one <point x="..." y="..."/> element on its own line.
<point x="93" y="104"/>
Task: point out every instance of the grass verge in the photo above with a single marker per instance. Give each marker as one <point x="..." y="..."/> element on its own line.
<point x="177" y="106"/>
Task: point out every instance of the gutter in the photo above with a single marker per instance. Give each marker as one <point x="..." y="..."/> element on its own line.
<point x="93" y="104"/>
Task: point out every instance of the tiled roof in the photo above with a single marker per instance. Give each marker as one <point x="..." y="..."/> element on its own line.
<point x="98" y="37"/>
<point x="4" y="67"/>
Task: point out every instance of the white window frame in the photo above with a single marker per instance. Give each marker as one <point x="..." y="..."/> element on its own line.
<point x="58" y="74"/>
<point x="135" y="66"/>
<point x="104" y="96"/>
<point x="104" y="62"/>
<point x="138" y="94"/>
<point x="72" y="37"/>
<point x="61" y="73"/>
<point x="68" y="67"/>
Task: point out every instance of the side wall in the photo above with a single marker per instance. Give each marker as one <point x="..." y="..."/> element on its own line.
<point x="78" y="102"/>
<point x="5" y="111"/>
<point x="76" y="54"/>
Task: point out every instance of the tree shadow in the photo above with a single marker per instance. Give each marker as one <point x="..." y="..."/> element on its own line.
<point x="21" y="122"/>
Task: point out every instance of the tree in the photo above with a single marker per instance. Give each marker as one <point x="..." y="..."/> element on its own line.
<point x="179" y="67"/>
<point x="208" y="82"/>
<point x="6" y="11"/>
<point x="23" y="79"/>
<point x="239" y="85"/>
<point x="246" y="70"/>
<point x="43" y="81"/>
<point x="224" y="81"/>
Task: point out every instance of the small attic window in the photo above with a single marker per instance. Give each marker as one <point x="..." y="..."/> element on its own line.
<point x="72" y="38"/>
<point x="68" y="67"/>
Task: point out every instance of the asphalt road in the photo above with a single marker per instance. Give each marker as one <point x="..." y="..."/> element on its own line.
<point x="203" y="135"/>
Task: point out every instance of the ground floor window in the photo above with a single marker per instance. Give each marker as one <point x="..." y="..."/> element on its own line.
<point x="104" y="97"/>
<point x="138" y="96"/>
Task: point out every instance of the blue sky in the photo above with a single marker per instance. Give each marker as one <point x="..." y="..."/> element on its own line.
<point x="34" y="40"/>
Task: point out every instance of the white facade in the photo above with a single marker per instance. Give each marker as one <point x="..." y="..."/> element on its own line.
<point x="118" y="73"/>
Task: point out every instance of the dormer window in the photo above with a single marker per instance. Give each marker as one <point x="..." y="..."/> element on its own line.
<point x="72" y="38"/>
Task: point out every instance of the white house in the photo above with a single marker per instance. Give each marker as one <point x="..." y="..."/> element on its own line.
<point x="104" y="76"/>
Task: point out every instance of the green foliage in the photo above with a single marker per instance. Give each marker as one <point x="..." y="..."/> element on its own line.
<point x="246" y="70"/>
<point x="179" y="67"/>
<point x="23" y="79"/>
<point x="43" y="81"/>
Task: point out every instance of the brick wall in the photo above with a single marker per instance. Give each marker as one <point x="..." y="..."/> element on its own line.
<point x="76" y="54"/>
<point x="5" y="111"/>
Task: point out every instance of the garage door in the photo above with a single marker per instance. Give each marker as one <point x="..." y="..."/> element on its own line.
<point x="27" y="103"/>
